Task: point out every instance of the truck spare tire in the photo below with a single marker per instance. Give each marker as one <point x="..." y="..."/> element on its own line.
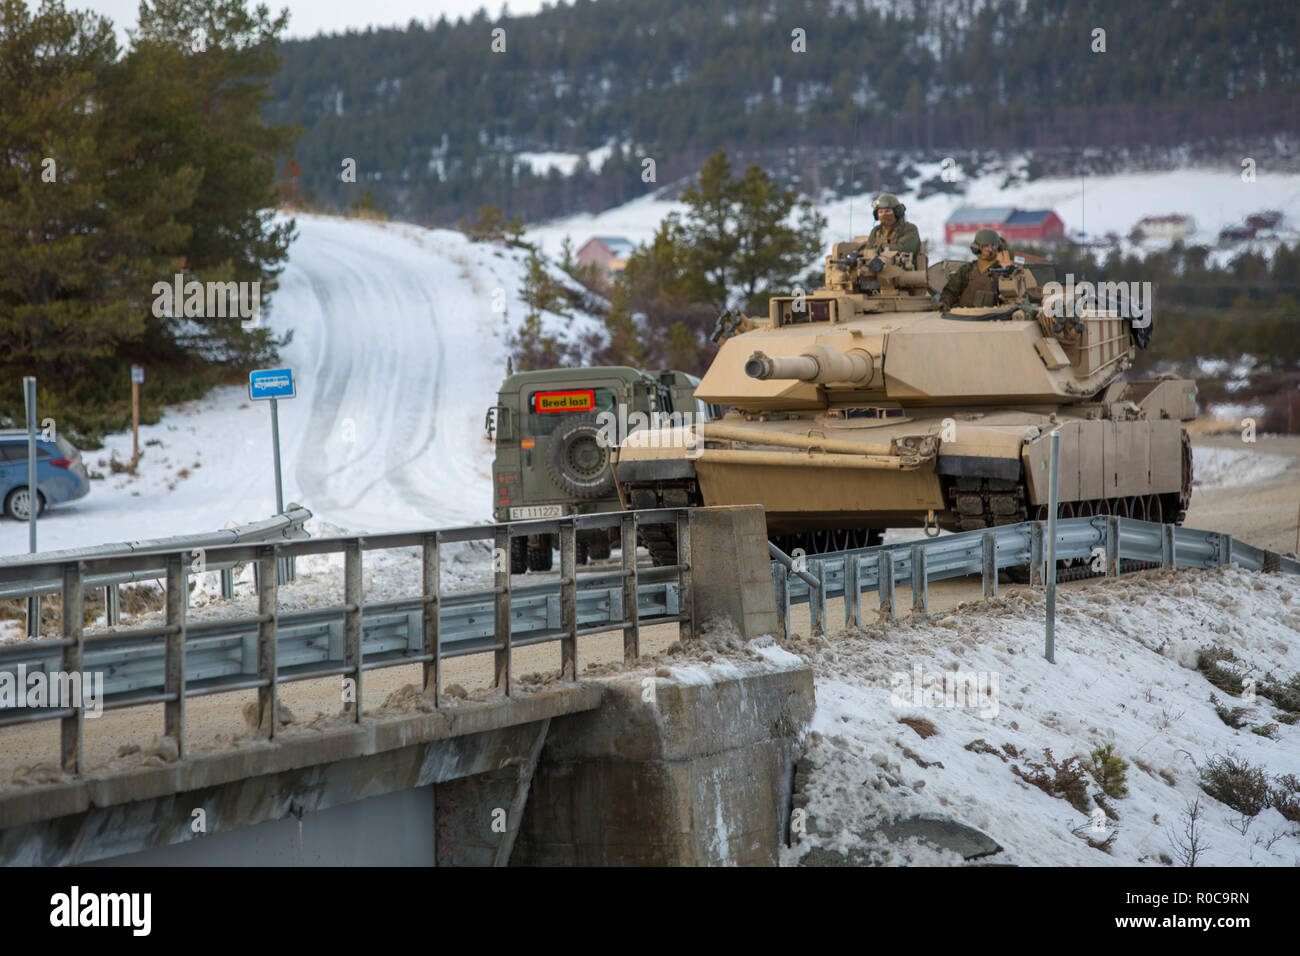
<point x="578" y="460"/>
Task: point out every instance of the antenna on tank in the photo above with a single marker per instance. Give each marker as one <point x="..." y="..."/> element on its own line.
<point x="853" y="158"/>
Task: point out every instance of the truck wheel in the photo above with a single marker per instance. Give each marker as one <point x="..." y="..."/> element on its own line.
<point x="539" y="555"/>
<point x="518" y="555"/>
<point x="579" y="459"/>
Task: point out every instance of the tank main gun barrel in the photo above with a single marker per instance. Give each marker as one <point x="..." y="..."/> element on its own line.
<point x="820" y="364"/>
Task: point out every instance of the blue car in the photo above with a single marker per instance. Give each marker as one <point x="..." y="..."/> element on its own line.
<point x="60" y="474"/>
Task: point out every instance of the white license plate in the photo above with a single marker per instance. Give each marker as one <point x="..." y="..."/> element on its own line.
<point x="536" y="511"/>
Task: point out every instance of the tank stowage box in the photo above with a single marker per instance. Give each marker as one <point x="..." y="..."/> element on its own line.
<point x="864" y="406"/>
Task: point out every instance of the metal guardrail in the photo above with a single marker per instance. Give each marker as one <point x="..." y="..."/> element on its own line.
<point x="286" y="527"/>
<point x="1105" y="540"/>
<point x="179" y="659"/>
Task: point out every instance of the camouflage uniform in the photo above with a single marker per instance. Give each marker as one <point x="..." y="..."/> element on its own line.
<point x="902" y="236"/>
<point x="970" y="286"/>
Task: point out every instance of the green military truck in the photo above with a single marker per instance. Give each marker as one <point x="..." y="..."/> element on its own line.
<point x="554" y="430"/>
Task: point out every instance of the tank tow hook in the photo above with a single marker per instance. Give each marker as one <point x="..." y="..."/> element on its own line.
<point x="931" y="522"/>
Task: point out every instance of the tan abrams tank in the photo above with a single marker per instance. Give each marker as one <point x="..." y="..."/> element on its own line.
<point x="863" y="407"/>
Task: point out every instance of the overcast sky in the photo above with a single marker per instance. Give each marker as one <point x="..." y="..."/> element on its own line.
<point x="309" y="17"/>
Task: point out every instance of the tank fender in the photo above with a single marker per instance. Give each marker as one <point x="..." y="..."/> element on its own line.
<point x="980" y="466"/>
<point x="654" y="469"/>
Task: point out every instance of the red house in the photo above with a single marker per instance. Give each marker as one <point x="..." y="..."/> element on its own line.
<point x="609" y="254"/>
<point x="1013" y="225"/>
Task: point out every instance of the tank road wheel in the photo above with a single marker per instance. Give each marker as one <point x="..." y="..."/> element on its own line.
<point x="1119" y="507"/>
<point x="1154" y="512"/>
<point x="539" y="555"/>
<point x="578" y="459"/>
<point x="1083" y="509"/>
<point x="1101" y="507"/>
<point x="1137" y="508"/>
<point x="518" y="555"/>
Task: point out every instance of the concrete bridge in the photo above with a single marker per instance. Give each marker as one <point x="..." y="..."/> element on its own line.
<point x="652" y="765"/>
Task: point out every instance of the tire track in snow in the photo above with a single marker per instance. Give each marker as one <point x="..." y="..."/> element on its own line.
<point x="371" y="308"/>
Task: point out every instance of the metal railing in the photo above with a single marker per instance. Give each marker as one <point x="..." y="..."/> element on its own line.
<point x="174" y="661"/>
<point x="287" y="526"/>
<point x="1103" y="541"/>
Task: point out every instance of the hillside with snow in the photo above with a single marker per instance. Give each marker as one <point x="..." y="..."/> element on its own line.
<point x="1095" y="205"/>
<point x="397" y="352"/>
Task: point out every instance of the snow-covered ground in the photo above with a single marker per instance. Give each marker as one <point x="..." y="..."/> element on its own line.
<point x="1214" y="198"/>
<point x="1233" y="467"/>
<point x="1124" y="675"/>
<point x="397" y="353"/>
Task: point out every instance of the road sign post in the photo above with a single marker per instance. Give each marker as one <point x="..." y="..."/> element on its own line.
<point x="273" y="384"/>
<point x="33" y="498"/>
<point x="137" y="379"/>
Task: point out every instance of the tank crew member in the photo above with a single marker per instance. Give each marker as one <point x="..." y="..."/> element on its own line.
<point x="971" y="286"/>
<point x="891" y="228"/>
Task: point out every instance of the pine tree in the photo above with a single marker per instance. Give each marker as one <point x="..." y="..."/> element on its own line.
<point x="207" y="64"/>
<point x="83" y="232"/>
<point x="737" y="235"/>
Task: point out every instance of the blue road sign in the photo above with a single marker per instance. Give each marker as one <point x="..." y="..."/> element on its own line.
<point x="271" y="383"/>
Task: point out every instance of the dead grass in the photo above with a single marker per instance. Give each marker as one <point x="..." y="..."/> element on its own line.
<point x="923" y="727"/>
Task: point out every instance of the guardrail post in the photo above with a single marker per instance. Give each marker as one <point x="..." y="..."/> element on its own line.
<point x="631" y="609"/>
<point x="885" y="575"/>
<point x="817" y="601"/>
<point x="501" y="609"/>
<point x="431" y="599"/>
<point x="920" y="581"/>
<point x="268" y="712"/>
<point x="112" y="605"/>
<point x="174" y="652"/>
<point x="852" y="592"/>
<point x="1035" y="553"/>
<point x="70" y="743"/>
<point x="781" y="591"/>
<point x="227" y="583"/>
<point x="1112" y="546"/>
<point x="685" y="580"/>
<point x="1168" y="546"/>
<point x="569" y="600"/>
<point x="1226" y="541"/>
<point x="989" y="564"/>
<point x="352" y="619"/>
<point x="34" y="616"/>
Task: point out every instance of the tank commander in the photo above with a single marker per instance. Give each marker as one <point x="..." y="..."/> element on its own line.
<point x="972" y="286"/>
<point x="891" y="228"/>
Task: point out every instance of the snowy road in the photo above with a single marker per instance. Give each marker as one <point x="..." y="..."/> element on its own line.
<point x="397" y="354"/>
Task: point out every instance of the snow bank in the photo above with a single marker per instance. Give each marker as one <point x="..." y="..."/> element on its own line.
<point x="1117" y="679"/>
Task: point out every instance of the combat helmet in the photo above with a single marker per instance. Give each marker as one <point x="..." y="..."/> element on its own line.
<point x="887" y="200"/>
<point x="987" y="237"/>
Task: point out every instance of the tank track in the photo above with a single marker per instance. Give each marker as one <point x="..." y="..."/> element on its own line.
<point x="661" y="539"/>
<point x="978" y="503"/>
